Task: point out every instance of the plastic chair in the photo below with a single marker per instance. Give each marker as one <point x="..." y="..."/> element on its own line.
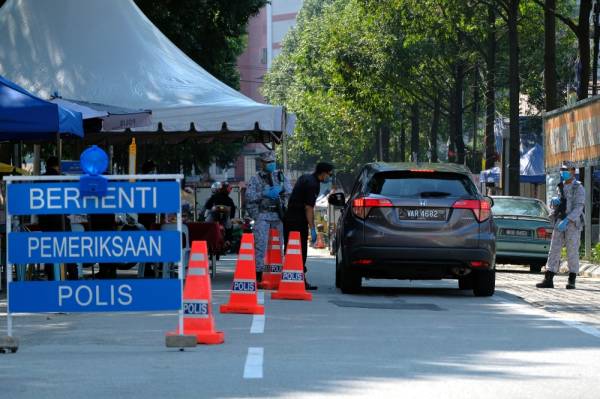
<point x="185" y="250"/>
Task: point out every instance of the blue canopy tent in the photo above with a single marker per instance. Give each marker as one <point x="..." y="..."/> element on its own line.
<point x="532" y="168"/>
<point x="26" y="117"/>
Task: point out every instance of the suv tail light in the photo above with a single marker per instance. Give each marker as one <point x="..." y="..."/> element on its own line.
<point x="481" y="208"/>
<point x="544" y="233"/>
<point x="362" y="206"/>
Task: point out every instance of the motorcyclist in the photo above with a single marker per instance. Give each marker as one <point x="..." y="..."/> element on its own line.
<point x="220" y="207"/>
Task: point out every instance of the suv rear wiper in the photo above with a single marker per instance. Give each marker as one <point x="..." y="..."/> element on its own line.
<point x="429" y="194"/>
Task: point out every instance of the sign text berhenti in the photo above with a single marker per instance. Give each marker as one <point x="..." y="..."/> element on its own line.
<point x="94" y="246"/>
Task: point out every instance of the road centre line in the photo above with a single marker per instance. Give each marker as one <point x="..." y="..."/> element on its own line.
<point x="523" y="308"/>
<point x="260" y="297"/>
<point x="253" y="369"/>
<point x="258" y="324"/>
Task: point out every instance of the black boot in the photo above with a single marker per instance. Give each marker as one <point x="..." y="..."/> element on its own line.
<point x="547" y="281"/>
<point x="571" y="283"/>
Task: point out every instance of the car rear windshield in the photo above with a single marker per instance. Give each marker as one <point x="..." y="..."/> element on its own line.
<point x="421" y="184"/>
<point x="519" y="207"/>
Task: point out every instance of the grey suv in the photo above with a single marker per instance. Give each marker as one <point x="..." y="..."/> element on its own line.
<point x="418" y="222"/>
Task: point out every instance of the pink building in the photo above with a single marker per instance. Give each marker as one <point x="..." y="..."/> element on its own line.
<point x="265" y="35"/>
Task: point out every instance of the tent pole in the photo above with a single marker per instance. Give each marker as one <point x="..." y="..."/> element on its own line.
<point x="37" y="170"/>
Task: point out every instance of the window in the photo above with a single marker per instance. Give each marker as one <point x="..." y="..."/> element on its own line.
<point x="519" y="207"/>
<point x="415" y="184"/>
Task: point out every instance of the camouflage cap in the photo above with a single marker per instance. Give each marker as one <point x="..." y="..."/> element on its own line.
<point x="268" y="156"/>
<point x="568" y="165"/>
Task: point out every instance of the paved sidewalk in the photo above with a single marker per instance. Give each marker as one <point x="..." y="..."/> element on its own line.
<point x="586" y="269"/>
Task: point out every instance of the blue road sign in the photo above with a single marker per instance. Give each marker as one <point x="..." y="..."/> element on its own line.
<point x="47" y="198"/>
<point x="95" y="296"/>
<point x="103" y="247"/>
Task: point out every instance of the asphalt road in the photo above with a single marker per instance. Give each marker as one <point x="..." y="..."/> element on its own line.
<point x="396" y="339"/>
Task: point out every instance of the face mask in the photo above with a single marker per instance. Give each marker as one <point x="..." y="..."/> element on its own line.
<point x="270" y="167"/>
<point x="565" y="174"/>
<point x="327" y="179"/>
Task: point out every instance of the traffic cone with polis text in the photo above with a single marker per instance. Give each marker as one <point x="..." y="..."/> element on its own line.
<point x="198" y="318"/>
<point x="273" y="263"/>
<point x="292" y="285"/>
<point x="243" y="297"/>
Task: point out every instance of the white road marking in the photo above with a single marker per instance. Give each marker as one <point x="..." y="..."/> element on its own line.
<point x="258" y="324"/>
<point x="254" y="363"/>
<point x="582" y="327"/>
<point x="529" y="310"/>
<point x="260" y="297"/>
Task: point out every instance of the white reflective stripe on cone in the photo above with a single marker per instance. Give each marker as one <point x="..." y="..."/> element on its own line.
<point x="294" y="242"/>
<point x="245" y="257"/>
<point x="194" y="271"/>
<point x="198" y="257"/>
<point x="294" y="252"/>
<point x="246" y="246"/>
<point x="276" y="247"/>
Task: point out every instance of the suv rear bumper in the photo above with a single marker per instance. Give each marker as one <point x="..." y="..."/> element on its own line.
<point x="417" y="263"/>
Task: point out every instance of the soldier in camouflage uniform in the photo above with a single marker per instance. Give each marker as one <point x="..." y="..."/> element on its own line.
<point x="568" y="222"/>
<point x="266" y="196"/>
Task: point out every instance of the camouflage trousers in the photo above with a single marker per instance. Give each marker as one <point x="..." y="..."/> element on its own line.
<point x="570" y="239"/>
<point x="262" y="225"/>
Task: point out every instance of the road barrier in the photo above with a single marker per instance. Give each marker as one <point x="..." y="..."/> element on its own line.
<point x="63" y="195"/>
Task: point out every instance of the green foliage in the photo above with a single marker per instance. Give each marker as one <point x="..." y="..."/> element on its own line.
<point x="596" y="254"/>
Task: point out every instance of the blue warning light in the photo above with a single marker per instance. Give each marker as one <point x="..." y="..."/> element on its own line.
<point x="94" y="161"/>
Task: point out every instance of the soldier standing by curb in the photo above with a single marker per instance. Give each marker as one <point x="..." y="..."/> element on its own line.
<point x="266" y="196"/>
<point x="568" y="222"/>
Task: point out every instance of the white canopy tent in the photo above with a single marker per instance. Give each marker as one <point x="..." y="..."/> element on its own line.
<point x="108" y="52"/>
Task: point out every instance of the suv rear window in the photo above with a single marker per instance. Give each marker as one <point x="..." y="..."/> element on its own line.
<point x="424" y="184"/>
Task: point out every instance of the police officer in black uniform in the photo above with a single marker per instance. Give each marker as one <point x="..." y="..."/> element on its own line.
<point x="300" y="215"/>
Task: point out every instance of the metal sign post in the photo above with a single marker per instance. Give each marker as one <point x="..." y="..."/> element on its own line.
<point x="59" y="195"/>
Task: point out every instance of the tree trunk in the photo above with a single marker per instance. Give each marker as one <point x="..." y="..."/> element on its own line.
<point x="435" y="126"/>
<point x="414" y="133"/>
<point x="385" y="142"/>
<point x="475" y="116"/>
<point x="550" y="56"/>
<point x="583" y="41"/>
<point x="514" y="89"/>
<point x="490" y="90"/>
<point x="402" y="155"/>
<point x="459" y="81"/>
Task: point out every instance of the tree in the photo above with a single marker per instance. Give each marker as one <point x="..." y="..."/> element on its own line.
<point x="581" y="29"/>
<point x="356" y="71"/>
<point x="550" y="55"/>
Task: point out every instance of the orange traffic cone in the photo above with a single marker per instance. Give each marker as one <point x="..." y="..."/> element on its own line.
<point x="243" y="294"/>
<point x="197" y="297"/>
<point x="320" y="244"/>
<point x="292" y="275"/>
<point x="272" y="273"/>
